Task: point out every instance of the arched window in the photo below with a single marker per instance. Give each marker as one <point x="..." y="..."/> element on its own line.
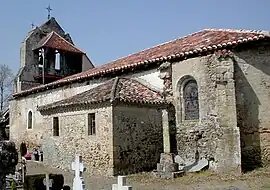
<point x="30" y="120"/>
<point x="190" y="100"/>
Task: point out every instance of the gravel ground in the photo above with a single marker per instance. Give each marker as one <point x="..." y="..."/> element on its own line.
<point x="259" y="179"/>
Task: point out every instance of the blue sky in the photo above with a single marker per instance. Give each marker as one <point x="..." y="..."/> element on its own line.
<point x="107" y="30"/>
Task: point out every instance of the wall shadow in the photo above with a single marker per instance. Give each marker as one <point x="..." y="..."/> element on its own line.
<point x="172" y="128"/>
<point x="247" y="108"/>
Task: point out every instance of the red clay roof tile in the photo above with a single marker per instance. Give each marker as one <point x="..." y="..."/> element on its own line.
<point x="54" y="40"/>
<point x="202" y="41"/>
<point x="199" y="40"/>
<point x="117" y="89"/>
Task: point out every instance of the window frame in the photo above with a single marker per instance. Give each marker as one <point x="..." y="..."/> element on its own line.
<point x="179" y="99"/>
<point x="53" y="127"/>
<point x="28" y="123"/>
<point x="183" y="99"/>
<point x="91" y="124"/>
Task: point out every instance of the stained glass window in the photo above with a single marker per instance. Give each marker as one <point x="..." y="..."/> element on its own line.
<point x="191" y="101"/>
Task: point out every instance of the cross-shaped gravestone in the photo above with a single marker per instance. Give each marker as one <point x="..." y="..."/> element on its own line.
<point x="121" y="184"/>
<point x="47" y="182"/>
<point x="78" y="167"/>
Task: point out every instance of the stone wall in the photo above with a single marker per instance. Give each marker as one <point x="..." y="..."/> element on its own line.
<point x="96" y="150"/>
<point x="20" y="107"/>
<point x="26" y="51"/>
<point x="86" y="63"/>
<point x="138" y="139"/>
<point x="52" y="25"/>
<point x="27" y="85"/>
<point x="252" y="77"/>
<point x="27" y="57"/>
<point x="215" y="134"/>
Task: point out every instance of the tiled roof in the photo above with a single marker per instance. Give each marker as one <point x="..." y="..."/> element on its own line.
<point x="54" y="40"/>
<point x="117" y="89"/>
<point x="204" y="41"/>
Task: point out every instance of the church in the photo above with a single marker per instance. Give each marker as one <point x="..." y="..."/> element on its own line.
<point x="204" y="94"/>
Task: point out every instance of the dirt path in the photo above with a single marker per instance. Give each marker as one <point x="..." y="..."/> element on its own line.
<point x="256" y="180"/>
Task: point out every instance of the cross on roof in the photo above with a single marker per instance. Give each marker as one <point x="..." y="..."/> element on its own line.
<point x="49" y="11"/>
<point x="78" y="166"/>
<point x="32" y="25"/>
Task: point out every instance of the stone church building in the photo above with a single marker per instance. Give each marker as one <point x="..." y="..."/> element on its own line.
<point x="205" y="93"/>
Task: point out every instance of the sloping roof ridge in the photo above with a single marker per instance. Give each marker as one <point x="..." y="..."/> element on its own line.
<point x="155" y="46"/>
<point x="237" y="30"/>
<point x="190" y="34"/>
<point x="178" y="54"/>
<point x="114" y="89"/>
<point x="68" y="42"/>
<point x="30" y="32"/>
<point x="143" y="84"/>
<point x="45" y="22"/>
<point x="49" y="36"/>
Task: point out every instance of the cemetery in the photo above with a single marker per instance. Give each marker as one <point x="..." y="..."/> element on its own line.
<point x="191" y="113"/>
<point x="19" y="173"/>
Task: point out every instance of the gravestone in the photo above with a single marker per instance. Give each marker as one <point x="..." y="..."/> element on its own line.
<point x="47" y="182"/>
<point x="8" y="160"/>
<point x="191" y="165"/>
<point x="121" y="184"/>
<point x="23" y="149"/>
<point x="167" y="167"/>
<point x="78" y="167"/>
<point x="195" y="166"/>
<point x="44" y="182"/>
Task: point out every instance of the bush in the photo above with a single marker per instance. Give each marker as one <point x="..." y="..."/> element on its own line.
<point x="13" y="185"/>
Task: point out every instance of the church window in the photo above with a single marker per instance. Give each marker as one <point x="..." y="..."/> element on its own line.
<point x="55" y="126"/>
<point x="91" y="124"/>
<point x="190" y="100"/>
<point x="30" y="120"/>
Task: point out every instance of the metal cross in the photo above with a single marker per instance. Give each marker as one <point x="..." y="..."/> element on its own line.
<point x="32" y="25"/>
<point x="49" y="11"/>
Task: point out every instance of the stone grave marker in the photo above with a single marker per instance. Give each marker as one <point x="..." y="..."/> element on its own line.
<point x="44" y="182"/>
<point x="47" y="182"/>
<point x="121" y="184"/>
<point x="78" y="167"/>
<point x="195" y="165"/>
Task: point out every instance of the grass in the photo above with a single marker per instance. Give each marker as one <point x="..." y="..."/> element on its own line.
<point x="257" y="179"/>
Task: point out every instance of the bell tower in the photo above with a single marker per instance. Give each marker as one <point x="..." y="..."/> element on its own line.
<point x="48" y="54"/>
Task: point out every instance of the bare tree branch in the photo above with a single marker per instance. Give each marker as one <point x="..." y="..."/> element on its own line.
<point x="6" y="78"/>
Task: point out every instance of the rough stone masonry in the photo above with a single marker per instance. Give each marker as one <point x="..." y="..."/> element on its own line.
<point x="218" y="90"/>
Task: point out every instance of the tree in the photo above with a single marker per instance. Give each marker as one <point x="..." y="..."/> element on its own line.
<point x="6" y="78"/>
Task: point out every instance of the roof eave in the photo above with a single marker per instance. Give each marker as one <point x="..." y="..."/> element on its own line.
<point x="172" y="57"/>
